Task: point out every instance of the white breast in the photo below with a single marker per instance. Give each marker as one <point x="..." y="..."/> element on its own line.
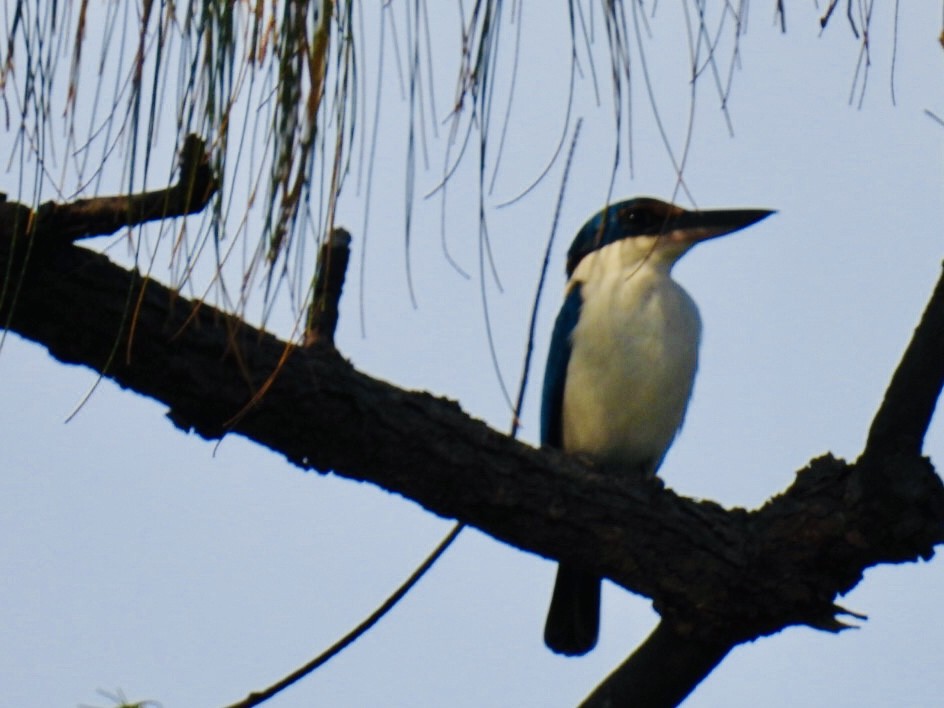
<point x="635" y="351"/>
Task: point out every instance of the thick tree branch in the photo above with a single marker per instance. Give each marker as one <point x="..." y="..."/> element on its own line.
<point x="886" y="471"/>
<point x="717" y="576"/>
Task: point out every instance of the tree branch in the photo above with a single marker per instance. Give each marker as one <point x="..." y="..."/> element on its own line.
<point x="58" y="223"/>
<point x="662" y="672"/>
<point x="902" y="420"/>
<point x="674" y="659"/>
<point x="718" y="577"/>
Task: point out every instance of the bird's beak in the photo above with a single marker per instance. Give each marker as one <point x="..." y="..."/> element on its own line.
<point x="694" y="226"/>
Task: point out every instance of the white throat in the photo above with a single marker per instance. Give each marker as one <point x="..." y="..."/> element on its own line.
<point x="635" y="352"/>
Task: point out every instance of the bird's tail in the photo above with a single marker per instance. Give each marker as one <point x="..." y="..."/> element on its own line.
<point x="573" y="619"/>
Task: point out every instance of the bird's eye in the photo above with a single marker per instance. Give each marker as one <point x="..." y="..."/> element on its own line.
<point x="635" y="219"/>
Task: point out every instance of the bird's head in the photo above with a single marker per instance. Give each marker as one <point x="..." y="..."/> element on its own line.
<point x="649" y="228"/>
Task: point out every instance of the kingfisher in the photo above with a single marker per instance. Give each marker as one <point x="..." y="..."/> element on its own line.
<point x="622" y="363"/>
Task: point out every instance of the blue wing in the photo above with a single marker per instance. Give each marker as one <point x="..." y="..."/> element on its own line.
<point x="555" y="374"/>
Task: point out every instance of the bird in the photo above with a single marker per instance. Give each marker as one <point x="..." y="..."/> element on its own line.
<point x="621" y="363"/>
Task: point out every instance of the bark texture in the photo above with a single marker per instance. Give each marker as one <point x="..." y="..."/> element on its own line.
<point x="717" y="576"/>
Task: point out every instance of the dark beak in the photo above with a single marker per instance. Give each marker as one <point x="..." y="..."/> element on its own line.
<point x="695" y="226"/>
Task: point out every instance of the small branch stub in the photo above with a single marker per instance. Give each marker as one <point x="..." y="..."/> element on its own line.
<point x="326" y="291"/>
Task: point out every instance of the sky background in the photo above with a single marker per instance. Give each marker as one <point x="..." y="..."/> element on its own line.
<point x="136" y="557"/>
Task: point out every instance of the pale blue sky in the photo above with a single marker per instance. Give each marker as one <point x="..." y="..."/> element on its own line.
<point x="137" y="557"/>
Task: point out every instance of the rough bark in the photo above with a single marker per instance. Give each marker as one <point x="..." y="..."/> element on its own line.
<point x="717" y="576"/>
